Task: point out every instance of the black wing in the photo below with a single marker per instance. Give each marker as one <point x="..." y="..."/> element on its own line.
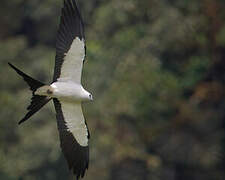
<point x="77" y="156"/>
<point x="71" y="26"/>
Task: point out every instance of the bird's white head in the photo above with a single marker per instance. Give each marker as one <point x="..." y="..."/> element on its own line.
<point x="87" y="96"/>
<point x="90" y="97"/>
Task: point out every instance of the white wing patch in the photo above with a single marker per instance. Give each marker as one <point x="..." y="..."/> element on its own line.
<point x="73" y="62"/>
<point x="73" y="116"/>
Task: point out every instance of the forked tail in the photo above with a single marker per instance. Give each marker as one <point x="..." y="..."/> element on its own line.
<point x="37" y="102"/>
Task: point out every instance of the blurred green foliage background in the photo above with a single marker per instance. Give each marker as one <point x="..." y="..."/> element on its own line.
<point x="156" y="69"/>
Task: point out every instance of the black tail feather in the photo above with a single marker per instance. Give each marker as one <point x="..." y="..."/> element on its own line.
<point x="37" y="102"/>
<point x="34" y="84"/>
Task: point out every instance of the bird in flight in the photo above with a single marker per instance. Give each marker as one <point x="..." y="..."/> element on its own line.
<point x="66" y="90"/>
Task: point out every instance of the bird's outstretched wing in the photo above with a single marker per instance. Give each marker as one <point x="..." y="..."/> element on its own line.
<point x="70" y="44"/>
<point x="74" y="135"/>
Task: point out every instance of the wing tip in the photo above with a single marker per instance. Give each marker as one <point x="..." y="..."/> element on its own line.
<point x="79" y="165"/>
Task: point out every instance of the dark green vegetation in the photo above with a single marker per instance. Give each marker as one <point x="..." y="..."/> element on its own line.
<point x="156" y="69"/>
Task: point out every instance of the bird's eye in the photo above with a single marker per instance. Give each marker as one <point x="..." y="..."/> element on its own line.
<point x="89" y="95"/>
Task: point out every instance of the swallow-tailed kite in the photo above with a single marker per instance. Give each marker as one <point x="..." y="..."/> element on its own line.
<point x="66" y="90"/>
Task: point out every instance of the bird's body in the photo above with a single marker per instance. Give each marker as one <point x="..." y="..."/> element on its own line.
<point x="66" y="90"/>
<point x="70" y="91"/>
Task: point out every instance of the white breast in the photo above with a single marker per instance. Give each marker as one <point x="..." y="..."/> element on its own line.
<point x="68" y="90"/>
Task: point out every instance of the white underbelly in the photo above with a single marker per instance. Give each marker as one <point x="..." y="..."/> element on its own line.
<point x="67" y="91"/>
